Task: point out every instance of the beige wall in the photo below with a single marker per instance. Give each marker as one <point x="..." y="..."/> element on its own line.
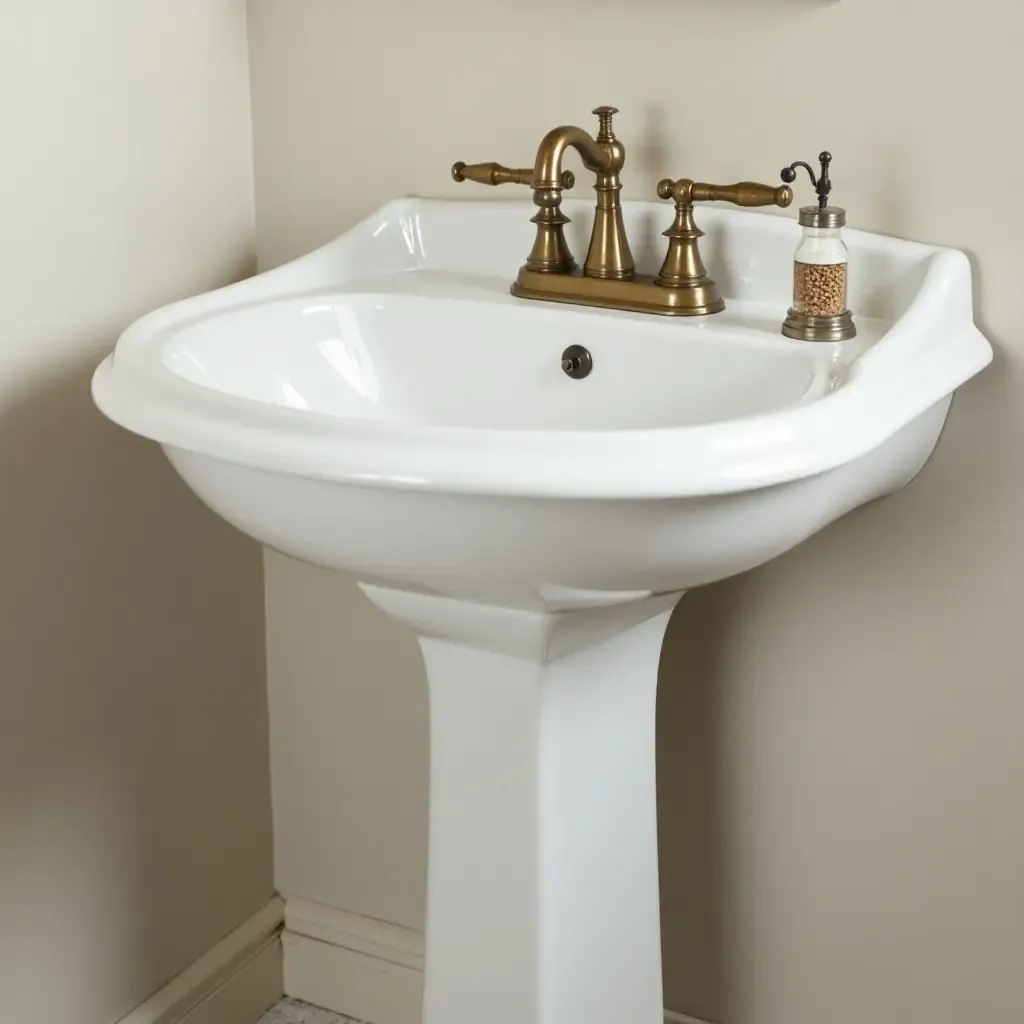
<point x="134" y="811"/>
<point x="841" y="761"/>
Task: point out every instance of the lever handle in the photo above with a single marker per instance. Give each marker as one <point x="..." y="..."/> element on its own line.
<point x="492" y="173"/>
<point x="744" y="193"/>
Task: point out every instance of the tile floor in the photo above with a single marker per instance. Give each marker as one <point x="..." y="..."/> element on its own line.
<point x="292" y="1011"/>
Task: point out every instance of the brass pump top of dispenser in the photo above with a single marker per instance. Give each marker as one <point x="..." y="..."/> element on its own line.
<point x="822" y="215"/>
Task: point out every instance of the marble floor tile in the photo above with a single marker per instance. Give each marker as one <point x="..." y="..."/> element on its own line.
<point x="293" y="1011"/>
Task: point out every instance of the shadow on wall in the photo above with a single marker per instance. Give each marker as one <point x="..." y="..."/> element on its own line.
<point x="690" y="843"/>
<point x="697" y="685"/>
<point x="133" y="717"/>
<point x="867" y="691"/>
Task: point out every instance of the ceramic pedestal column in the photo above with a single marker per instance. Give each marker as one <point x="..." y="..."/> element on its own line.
<point x="542" y="898"/>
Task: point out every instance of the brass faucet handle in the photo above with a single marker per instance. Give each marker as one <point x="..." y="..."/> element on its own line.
<point x="492" y="173"/>
<point x="605" y="132"/>
<point x="685" y="192"/>
<point x="683" y="267"/>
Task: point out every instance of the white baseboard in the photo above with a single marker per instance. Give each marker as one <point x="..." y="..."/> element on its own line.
<point x="233" y="983"/>
<point x="358" y="966"/>
<point x="351" y="964"/>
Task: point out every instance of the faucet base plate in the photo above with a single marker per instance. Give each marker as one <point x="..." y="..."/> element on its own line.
<point x="639" y="294"/>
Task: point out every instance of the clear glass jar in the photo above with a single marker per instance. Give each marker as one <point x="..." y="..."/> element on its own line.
<point x="820" y="264"/>
<point x="821" y="278"/>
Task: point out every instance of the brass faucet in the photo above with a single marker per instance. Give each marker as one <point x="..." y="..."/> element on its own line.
<point x="609" y="278"/>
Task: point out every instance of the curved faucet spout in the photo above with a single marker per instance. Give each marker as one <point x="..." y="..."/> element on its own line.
<point x="609" y="256"/>
<point x="547" y="172"/>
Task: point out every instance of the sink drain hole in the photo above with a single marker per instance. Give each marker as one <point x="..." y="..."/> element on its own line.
<point x="577" y="362"/>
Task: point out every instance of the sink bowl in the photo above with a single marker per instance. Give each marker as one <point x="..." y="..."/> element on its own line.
<point x="423" y="362"/>
<point x="384" y="406"/>
<point x="390" y="377"/>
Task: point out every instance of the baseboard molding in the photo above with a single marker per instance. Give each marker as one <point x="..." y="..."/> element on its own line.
<point x="351" y="964"/>
<point x="233" y="983"/>
<point x="358" y="966"/>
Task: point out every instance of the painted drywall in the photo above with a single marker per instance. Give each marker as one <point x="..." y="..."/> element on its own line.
<point x="134" y="790"/>
<point x="840" y="732"/>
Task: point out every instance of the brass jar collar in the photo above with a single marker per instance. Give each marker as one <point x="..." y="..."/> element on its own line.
<point x="822" y="217"/>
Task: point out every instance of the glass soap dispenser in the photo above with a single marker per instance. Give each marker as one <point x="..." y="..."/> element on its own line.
<point x="820" y="266"/>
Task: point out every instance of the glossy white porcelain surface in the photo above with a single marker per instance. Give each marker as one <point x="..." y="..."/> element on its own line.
<point x="389" y="379"/>
<point x="394" y="353"/>
<point x="421" y="361"/>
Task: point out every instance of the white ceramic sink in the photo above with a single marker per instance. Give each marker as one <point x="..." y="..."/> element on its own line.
<point x="385" y="406"/>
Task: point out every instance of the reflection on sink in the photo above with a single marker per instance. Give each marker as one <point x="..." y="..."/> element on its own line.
<point x="384" y="406"/>
<point x="468" y="363"/>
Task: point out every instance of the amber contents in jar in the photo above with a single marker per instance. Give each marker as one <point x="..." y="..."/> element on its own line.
<point x="819" y="289"/>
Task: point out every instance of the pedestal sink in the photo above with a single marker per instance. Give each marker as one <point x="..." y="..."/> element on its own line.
<point x="384" y="406"/>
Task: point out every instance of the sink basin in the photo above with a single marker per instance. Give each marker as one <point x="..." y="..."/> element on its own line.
<point x="384" y="406"/>
<point x="421" y="361"/>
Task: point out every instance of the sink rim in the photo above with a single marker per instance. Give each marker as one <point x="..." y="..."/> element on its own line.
<point x="900" y="377"/>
